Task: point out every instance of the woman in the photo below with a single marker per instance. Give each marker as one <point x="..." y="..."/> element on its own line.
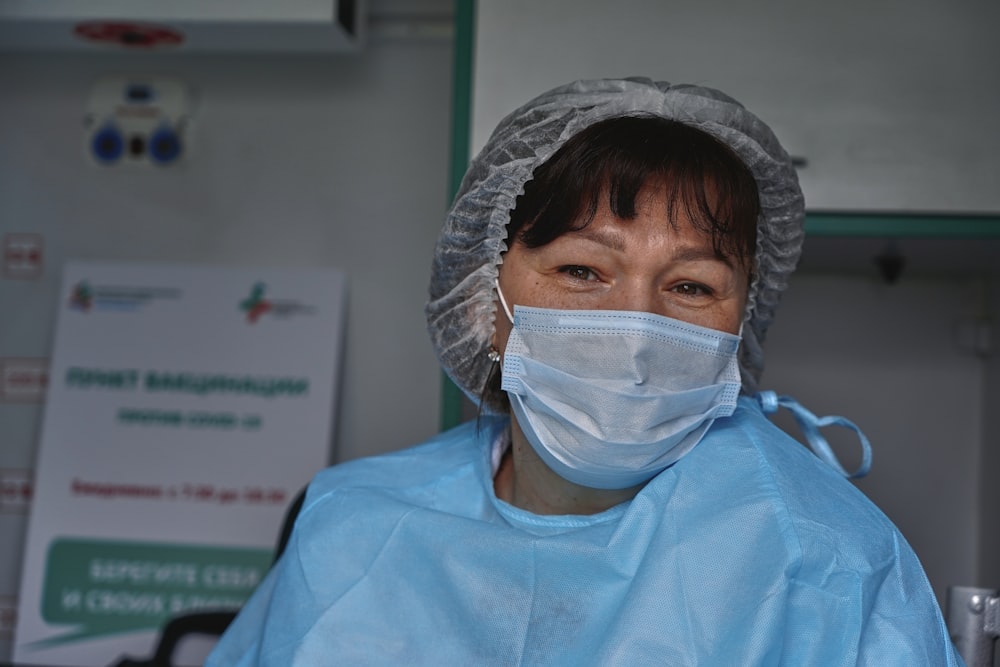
<point x="603" y="283"/>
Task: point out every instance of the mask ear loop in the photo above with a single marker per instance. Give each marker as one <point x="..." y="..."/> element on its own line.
<point x="493" y="354"/>
<point x="503" y="301"/>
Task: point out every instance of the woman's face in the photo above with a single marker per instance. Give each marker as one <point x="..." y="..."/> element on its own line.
<point x="645" y="264"/>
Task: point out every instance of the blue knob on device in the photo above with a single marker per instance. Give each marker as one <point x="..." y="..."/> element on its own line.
<point x="107" y="144"/>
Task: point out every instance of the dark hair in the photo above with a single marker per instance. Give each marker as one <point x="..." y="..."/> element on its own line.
<point x="617" y="158"/>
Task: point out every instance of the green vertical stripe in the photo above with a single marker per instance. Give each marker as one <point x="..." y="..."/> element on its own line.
<point x="903" y="225"/>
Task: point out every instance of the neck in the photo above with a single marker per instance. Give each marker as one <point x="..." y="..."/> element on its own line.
<point x="524" y="481"/>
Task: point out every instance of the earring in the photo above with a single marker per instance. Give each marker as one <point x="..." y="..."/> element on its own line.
<point x="493" y="354"/>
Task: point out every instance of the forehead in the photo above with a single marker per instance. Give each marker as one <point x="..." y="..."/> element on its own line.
<point x="657" y="224"/>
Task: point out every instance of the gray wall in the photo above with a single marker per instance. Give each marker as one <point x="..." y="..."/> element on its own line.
<point x="890" y="358"/>
<point x="988" y="478"/>
<point x="296" y="161"/>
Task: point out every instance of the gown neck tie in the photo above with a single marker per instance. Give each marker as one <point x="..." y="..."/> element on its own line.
<point x="811" y="425"/>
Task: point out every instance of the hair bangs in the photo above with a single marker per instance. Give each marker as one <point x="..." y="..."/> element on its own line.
<point x="620" y="159"/>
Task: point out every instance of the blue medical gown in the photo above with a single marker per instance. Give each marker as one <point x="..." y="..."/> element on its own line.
<point x="748" y="551"/>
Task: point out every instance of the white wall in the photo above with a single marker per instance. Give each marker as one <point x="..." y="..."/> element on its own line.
<point x="337" y="161"/>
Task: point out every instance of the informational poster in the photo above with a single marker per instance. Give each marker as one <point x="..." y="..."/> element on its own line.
<point x="186" y="407"/>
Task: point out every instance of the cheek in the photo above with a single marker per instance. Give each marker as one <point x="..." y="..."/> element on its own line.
<point x="502" y="328"/>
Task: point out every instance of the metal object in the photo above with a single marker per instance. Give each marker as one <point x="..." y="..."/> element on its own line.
<point x="973" y="617"/>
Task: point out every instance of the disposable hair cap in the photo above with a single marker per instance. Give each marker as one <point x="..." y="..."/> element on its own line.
<point x="461" y="307"/>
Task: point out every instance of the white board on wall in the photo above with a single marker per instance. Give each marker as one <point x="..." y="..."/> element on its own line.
<point x="852" y="87"/>
<point x="186" y="408"/>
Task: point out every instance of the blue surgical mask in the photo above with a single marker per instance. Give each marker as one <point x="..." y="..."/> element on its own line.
<point x="608" y="398"/>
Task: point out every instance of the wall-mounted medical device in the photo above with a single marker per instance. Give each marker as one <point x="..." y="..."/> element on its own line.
<point x="137" y="121"/>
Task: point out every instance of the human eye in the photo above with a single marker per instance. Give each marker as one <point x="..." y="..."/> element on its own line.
<point x="692" y="289"/>
<point x="578" y="272"/>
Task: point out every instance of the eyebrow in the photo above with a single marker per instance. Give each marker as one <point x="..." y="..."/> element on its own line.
<point x="606" y="237"/>
<point x="616" y="241"/>
<point x="699" y="254"/>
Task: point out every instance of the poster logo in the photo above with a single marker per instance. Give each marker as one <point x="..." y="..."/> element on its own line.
<point x="82" y="297"/>
<point x="256" y="305"/>
<point x="85" y="297"/>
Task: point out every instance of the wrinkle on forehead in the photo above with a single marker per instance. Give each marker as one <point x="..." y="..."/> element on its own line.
<point x="668" y="205"/>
